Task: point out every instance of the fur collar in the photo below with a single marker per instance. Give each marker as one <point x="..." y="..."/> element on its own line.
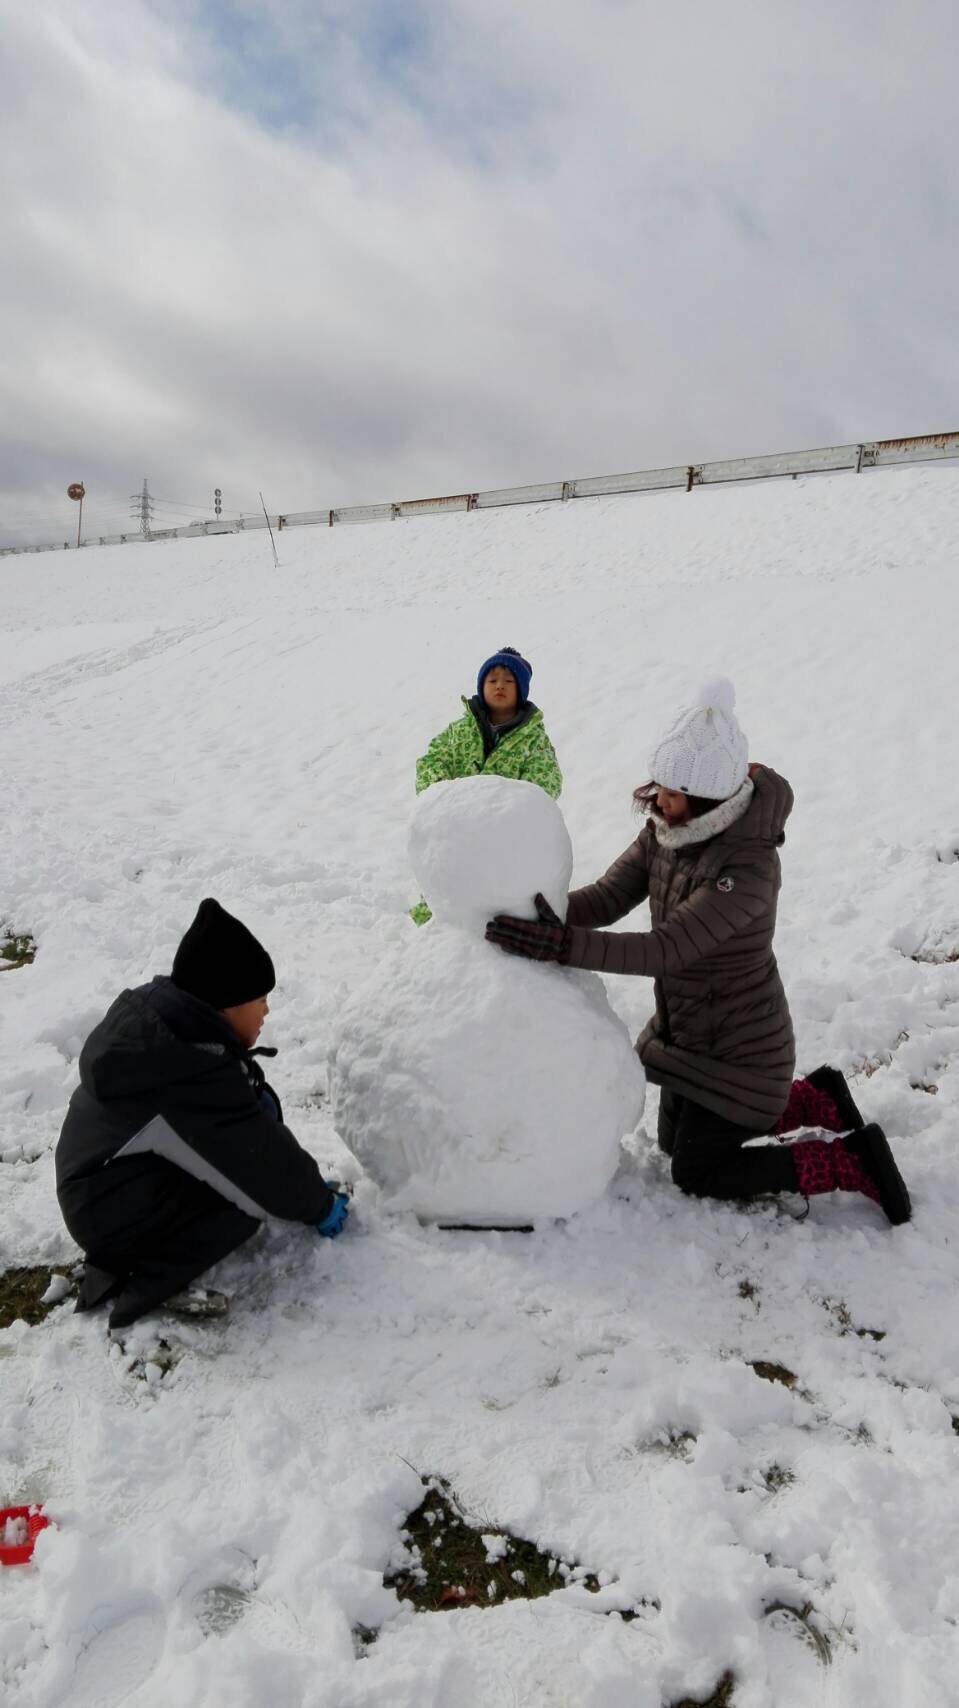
<point x="711" y="823"/>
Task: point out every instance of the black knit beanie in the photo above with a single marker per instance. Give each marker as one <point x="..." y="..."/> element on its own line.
<point x="220" y="961"/>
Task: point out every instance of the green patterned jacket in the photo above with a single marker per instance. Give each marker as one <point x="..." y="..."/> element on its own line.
<point x="463" y="750"/>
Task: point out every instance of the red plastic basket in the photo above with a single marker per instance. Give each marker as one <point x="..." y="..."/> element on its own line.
<point x="37" y="1520"/>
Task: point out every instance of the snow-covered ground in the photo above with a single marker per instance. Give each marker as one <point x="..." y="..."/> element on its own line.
<point x="181" y="720"/>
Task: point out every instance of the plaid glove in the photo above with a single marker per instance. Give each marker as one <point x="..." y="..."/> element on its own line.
<point x="542" y="939"/>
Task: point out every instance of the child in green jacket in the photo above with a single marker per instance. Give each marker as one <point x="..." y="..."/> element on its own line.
<point x="501" y="733"/>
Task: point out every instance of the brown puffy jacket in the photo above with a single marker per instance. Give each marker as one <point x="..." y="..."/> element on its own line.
<point x="721" y="1033"/>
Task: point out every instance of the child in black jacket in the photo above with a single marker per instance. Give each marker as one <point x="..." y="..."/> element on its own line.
<point x="173" y="1148"/>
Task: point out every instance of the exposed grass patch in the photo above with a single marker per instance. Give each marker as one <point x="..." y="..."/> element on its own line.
<point x="673" y="1443"/>
<point x="840" y="1311"/>
<point x="749" y="1290"/>
<point x="788" y="1618"/>
<point x="721" y="1697"/>
<point x="868" y="1065"/>
<point x="17" y="949"/>
<point x="871" y="1064"/>
<point x="21" y="1295"/>
<point x="454" y="1562"/>
<point x="152" y="1364"/>
<point x="777" y="1477"/>
<point x="771" y="1372"/>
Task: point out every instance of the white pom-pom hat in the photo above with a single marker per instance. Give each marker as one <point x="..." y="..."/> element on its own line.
<point x="704" y="752"/>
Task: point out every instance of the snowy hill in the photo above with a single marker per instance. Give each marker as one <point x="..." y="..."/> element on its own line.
<point x="181" y="720"/>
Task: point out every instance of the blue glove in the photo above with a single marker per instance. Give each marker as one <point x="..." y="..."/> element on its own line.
<point x="334" y="1221"/>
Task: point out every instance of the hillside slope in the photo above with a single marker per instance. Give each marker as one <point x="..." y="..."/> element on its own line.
<point x="178" y="720"/>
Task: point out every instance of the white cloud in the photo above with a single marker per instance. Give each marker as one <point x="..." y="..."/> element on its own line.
<point x="480" y="243"/>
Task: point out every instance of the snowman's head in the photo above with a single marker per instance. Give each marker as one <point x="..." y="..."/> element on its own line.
<point x="485" y="845"/>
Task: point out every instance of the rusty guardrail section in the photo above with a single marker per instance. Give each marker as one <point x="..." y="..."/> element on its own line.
<point x="782" y="465"/>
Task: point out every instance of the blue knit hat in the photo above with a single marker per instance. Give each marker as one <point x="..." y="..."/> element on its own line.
<point x="512" y="660"/>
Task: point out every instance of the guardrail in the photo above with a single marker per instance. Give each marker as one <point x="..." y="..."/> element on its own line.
<point x="782" y="465"/>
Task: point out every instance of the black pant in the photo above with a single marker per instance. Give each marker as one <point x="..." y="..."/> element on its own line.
<point x="143" y="1259"/>
<point x="708" y="1156"/>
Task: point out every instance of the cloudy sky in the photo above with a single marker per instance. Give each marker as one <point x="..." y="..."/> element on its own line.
<point x="356" y="250"/>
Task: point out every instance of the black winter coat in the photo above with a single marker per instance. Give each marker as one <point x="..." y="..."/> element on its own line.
<point x="166" y="1089"/>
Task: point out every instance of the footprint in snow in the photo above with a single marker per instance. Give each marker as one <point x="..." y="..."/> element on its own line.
<point x="115" y="1662"/>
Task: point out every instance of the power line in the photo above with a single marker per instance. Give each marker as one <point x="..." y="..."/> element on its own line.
<point x="48" y="518"/>
<point x="173" y="510"/>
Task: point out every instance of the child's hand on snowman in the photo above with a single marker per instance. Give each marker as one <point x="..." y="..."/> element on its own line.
<point x="542" y="939"/>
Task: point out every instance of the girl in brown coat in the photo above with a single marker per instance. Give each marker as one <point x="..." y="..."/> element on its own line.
<point x="720" y="1043"/>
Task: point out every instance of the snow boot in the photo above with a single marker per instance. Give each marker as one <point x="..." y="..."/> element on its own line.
<point x="97" y="1286"/>
<point x="862" y="1163"/>
<point x="870" y="1147"/>
<point x="808" y="1106"/>
<point x="836" y="1086"/>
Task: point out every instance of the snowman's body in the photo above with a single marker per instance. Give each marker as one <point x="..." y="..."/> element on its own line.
<point x="475" y="1086"/>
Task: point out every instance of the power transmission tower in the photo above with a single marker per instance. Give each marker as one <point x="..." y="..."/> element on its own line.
<point x="143" y="508"/>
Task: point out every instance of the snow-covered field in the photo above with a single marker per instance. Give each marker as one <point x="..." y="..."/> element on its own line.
<point x="181" y="720"/>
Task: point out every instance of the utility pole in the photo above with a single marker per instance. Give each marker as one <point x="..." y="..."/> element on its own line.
<point x="143" y="509"/>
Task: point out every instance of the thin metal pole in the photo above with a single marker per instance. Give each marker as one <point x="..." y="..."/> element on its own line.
<point x="276" y="561"/>
<point x="79" y="524"/>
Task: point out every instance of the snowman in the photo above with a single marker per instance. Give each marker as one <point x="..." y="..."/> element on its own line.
<point x="474" y="1089"/>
